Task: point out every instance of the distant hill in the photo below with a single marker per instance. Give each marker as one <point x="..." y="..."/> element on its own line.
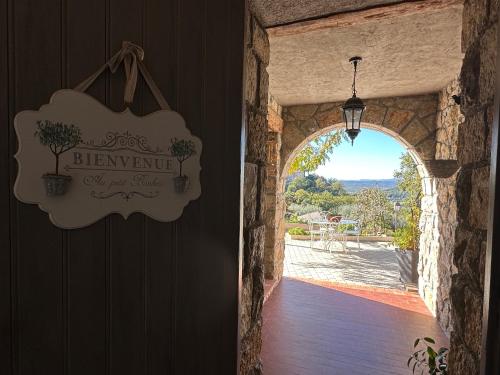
<point x="354" y="186"/>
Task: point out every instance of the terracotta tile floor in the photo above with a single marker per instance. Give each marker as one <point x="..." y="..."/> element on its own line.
<point x="317" y="327"/>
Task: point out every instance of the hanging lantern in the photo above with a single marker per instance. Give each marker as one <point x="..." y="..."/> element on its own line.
<point x="353" y="108"/>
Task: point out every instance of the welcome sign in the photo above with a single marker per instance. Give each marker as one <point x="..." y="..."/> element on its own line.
<point x="80" y="161"/>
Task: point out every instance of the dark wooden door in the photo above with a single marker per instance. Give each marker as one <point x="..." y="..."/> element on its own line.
<point x="490" y="354"/>
<point x="124" y="296"/>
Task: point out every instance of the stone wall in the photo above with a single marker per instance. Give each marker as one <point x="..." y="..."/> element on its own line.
<point x="477" y="81"/>
<point x="411" y="119"/>
<point x="439" y="215"/>
<point x="274" y="251"/>
<point x="256" y="102"/>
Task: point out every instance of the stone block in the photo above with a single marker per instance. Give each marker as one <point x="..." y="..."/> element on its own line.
<point x="494" y="9"/>
<point x="251" y="77"/>
<point x="374" y="114"/>
<point x="469" y="250"/>
<point x="415" y="132"/>
<point x="258" y="289"/>
<point x="397" y="119"/>
<point x="274" y="121"/>
<point x="471" y="138"/>
<point x="430" y="121"/>
<point x="473" y="301"/>
<point x="428" y="106"/>
<point x="260" y="42"/>
<point x="461" y="359"/>
<point x="329" y="117"/>
<point x="261" y="193"/>
<point x="475" y="17"/>
<point x="308" y="126"/>
<point x="256" y="137"/>
<point x="487" y="75"/>
<point x="263" y="88"/>
<point x="250" y="194"/>
<point x="250" y="347"/>
<point x="274" y="105"/>
<point x="287" y="115"/>
<point x="303" y="112"/>
<point x="478" y="207"/>
<point x="292" y="136"/>
<point x="254" y="248"/>
<point x="469" y="79"/>
<point x="326" y="107"/>
<point x="427" y="149"/>
<point x="246" y="305"/>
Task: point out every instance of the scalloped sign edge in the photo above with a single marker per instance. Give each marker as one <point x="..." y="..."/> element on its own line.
<point x="78" y="208"/>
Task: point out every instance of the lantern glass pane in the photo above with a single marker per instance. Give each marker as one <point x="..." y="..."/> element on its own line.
<point x="356" y="118"/>
<point x="348" y="118"/>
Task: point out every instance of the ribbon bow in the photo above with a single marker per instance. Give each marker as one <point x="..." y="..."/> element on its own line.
<point x="129" y="55"/>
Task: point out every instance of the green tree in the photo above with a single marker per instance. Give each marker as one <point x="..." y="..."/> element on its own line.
<point x="373" y="209"/>
<point x="409" y="182"/>
<point x="316" y="184"/>
<point x="316" y="153"/>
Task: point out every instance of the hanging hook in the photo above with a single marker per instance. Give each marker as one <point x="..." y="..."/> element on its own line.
<point x="355" y="60"/>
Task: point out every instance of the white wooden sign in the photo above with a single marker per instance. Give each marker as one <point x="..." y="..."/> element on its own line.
<point x="80" y="161"/>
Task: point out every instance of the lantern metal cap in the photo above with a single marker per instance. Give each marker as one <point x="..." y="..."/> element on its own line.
<point x="354" y="103"/>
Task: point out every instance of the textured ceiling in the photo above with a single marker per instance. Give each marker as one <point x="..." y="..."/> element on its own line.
<point x="279" y="12"/>
<point x="406" y="55"/>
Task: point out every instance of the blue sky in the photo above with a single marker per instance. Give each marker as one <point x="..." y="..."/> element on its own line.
<point x="373" y="156"/>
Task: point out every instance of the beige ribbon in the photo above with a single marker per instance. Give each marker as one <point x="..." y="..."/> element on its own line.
<point x="131" y="55"/>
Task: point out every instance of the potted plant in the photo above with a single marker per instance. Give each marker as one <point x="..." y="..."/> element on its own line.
<point x="406" y="241"/>
<point x="181" y="150"/>
<point x="59" y="138"/>
<point x="406" y="238"/>
<point x="426" y="358"/>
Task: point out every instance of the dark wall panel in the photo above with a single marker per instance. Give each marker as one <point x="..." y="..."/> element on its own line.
<point x="85" y="260"/>
<point x="5" y="258"/>
<point x="38" y="244"/>
<point x="131" y="296"/>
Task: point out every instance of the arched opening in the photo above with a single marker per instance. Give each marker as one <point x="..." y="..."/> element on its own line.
<point x="376" y="259"/>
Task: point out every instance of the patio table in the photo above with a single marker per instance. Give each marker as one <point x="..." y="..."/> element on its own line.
<point x="329" y="231"/>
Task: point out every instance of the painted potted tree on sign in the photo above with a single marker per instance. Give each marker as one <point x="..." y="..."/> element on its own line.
<point x="407" y="237"/>
<point x="182" y="150"/>
<point x="59" y="138"/>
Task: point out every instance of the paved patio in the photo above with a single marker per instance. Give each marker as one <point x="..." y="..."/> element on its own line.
<point x="317" y="327"/>
<point x="374" y="263"/>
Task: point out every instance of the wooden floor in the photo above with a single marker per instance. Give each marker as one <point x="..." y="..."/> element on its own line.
<point x="315" y="328"/>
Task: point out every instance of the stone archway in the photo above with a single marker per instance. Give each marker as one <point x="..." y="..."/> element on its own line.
<point x="421" y="124"/>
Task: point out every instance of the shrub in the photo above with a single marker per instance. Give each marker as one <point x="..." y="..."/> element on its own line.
<point x="297" y="231"/>
<point x="405" y="238"/>
<point x="294" y="218"/>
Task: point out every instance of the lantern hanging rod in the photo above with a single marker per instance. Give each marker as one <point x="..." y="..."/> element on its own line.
<point x="355" y="61"/>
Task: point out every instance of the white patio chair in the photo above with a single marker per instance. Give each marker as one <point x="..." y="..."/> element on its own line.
<point x="356" y="231"/>
<point x="314" y="230"/>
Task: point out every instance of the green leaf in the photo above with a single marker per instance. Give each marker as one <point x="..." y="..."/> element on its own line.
<point x="429" y="339"/>
<point x="316" y="152"/>
<point x="416" y="343"/>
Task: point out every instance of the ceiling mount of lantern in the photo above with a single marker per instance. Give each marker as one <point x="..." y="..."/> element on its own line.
<point x="354" y="107"/>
